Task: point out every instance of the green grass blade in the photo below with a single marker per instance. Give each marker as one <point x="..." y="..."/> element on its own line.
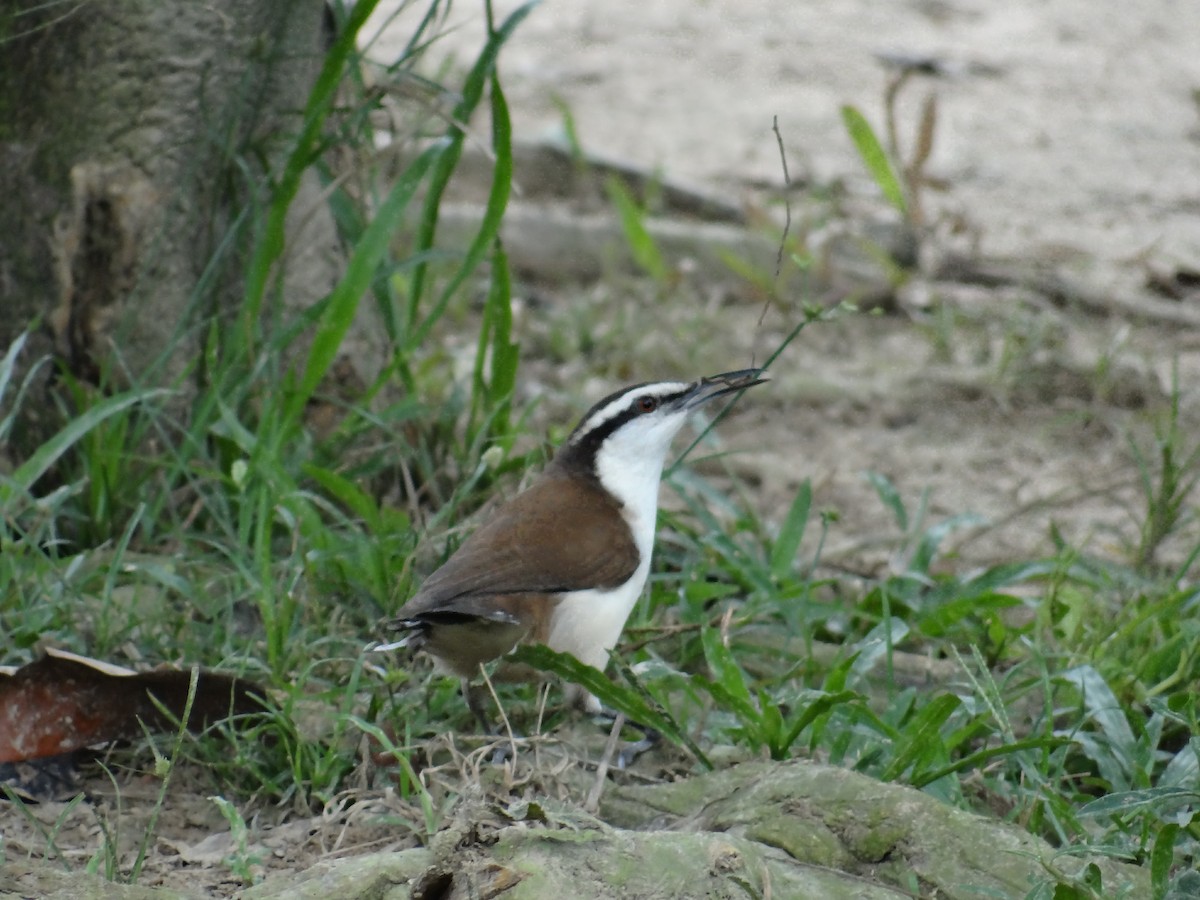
<point x="783" y="554"/>
<point x="623" y="700"/>
<point x="490" y="396"/>
<point x="728" y="675"/>
<point x="489" y="226"/>
<point x="1156" y="799"/>
<point x="874" y="157"/>
<point x="890" y="496"/>
<point x="645" y="251"/>
<point x="27" y="474"/>
<point x="270" y="244"/>
<point x="921" y="735"/>
<point x="931" y="540"/>
<point x="346" y="492"/>
<point x="10" y="360"/>
<point x="878" y="642"/>
<point x="570" y="133"/>
<point x="7" y="367"/>
<point x="472" y="93"/>
<point x="819" y="705"/>
<point x="1161" y="859"/>
<point x="364" y="264"/>
<point x="979" y="757"/>
<point x="181" y="731"/>
<point x="1102" y="704"/>
<point x="505" y="353"/>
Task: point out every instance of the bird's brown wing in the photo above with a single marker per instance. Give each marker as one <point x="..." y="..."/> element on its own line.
<point x="547" y="540"/>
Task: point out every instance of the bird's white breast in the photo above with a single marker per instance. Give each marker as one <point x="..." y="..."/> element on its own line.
<point x="629" y="466"/>
<point x="588" y="623"/>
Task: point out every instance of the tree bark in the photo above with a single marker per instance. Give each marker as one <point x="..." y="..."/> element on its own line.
<point x="133" y="138"/>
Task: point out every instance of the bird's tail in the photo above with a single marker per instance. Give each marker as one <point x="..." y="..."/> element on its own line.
<point x="412" y="631"/>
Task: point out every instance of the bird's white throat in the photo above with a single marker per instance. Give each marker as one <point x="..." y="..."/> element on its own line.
<point x="629" y="466"/>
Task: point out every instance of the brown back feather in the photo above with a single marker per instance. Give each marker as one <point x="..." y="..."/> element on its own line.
<point x="547" y="540"/>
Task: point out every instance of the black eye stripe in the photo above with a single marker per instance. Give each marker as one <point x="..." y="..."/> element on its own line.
<point x="580" y="450"/>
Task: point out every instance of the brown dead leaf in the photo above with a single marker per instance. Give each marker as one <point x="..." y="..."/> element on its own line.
<point x="64" y="702"/>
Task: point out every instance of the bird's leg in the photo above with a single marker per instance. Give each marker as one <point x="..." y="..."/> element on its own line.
<point x="631" y="751"/>
<point x="576" y="696"/>
<point x="591" y="705"/>
<point x="476" y="703"/>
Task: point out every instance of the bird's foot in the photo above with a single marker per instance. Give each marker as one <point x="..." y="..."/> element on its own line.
<point x="630" y="751"/>
<point x="505" y="749"/>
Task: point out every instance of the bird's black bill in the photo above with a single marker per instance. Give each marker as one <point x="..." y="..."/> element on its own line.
<point x="726" y="383"/>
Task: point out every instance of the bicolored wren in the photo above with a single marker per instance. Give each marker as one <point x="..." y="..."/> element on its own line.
<point x="564" y="562"/>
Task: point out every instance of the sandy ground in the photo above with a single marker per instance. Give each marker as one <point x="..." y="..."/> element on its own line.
<point x="1067" y="136"/>
<point x="1070" y="129"/>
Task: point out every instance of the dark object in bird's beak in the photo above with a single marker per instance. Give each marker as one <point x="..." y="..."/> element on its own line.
<point x="716" y="385"/>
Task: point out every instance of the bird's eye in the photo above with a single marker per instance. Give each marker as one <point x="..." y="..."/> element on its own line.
<point x="647" y="404"/>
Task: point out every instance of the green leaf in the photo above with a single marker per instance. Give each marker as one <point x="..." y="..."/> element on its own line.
<point x="452" y="144"/>
<point x="927" y="546"/>
<point x="1156" y="799"/>
<point x="1184" y="767"/>
<point x="1064" y="891"/>
<point x="492" y="396"/>
<point x="10" y="360"/>
<point x="506" y="353"/>
<point x="877" y="642"/>
<point x="921" y="736"/>
<point x="345" y="492"/>
<point x="874" y="157"/>
<point x="364" y="264"/>
<point x="1161" y="858"/>
<point x="1104" y="707"/>
<point x="783" y="554"/>
<point x="623" y="699"/>
<point x="819" y="703"/>
<point x="641" y="244"/>
<point x="890" y="496"/>
<point x="975" y="760"/>
<point x="230" y="427"/>
<point x="728" y="675"/>
<point x="26" y="475"/>
<point x="940" y="618"/>
<point x="320" y="100"/>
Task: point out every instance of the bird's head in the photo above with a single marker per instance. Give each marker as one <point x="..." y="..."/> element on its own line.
<point x="630" y="431"/>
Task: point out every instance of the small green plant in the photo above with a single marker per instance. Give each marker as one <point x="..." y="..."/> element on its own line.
<point x="901" y="181"/>
<point x="875" y="158"/>
<point x="765" y="720"/>
<point x="164" y="766"/>
<point x="1168" y="475"/>
<point x="242" y="860"/>
<point x="409" y="784"/>
<point x="642" y="245"/>
<point x="50" y="835"/>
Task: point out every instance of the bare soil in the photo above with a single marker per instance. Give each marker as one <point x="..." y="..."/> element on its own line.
<point x="1066" y="153"/>
<point x="1067" y="141"/>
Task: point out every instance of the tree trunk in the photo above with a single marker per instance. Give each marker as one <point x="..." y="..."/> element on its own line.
<point x="133" y="137"/>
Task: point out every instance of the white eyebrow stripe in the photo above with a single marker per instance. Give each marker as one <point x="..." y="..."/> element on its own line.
<point x="619" y="404"/>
